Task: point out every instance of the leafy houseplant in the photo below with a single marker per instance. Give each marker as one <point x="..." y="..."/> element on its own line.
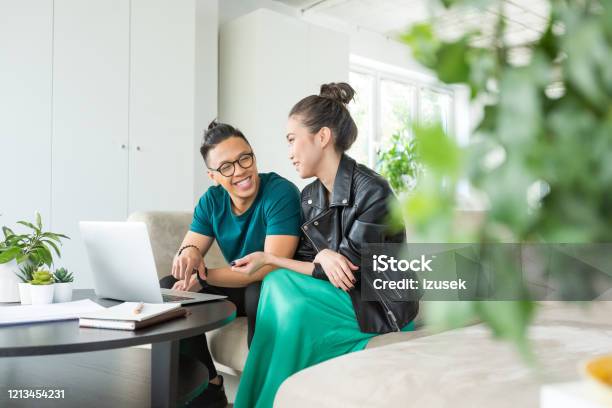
<point x="17" y="250"/>
<point x="397" y="163"/>
<point x="41" y="287"/>
<point x="541" y="152"/>
<point x="35" y="248"/>
<point x="63" y="285"/>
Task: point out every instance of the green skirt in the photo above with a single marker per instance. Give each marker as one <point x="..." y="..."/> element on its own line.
<point x="301" y="321"/>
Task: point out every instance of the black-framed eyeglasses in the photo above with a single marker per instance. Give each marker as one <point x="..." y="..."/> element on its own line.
<point x="228" y="169"/>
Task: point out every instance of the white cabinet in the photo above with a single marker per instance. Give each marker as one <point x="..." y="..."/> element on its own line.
<point x="162" y="86"/>
<point x="102" y="105"/>
<point x="25" y="109"/>
<point x="90" y="118"/>
<point x="267" y="63"/>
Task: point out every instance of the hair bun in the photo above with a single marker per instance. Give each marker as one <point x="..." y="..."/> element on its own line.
<point x="341" y="92"/>
<point x="213" y="124"/>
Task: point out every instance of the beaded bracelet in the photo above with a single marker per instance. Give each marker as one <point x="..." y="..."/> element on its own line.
<point x="187" y="246"/>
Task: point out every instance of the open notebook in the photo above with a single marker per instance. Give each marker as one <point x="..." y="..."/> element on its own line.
<point x="10" y="315"/>
<point x="123" y="316"/>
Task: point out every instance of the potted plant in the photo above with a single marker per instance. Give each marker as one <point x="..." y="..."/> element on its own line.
<point x="63" y="285"/>
<point x="35" y="248"/>
<point x="398" y="163"/>
<point x="26" y="274"/>
<point x="41" y="287"/>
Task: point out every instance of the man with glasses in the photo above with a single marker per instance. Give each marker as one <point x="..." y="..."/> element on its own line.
<point x="244" y="212"/>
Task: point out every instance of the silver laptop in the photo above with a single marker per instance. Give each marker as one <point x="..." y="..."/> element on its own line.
<point x="123" y="266"/>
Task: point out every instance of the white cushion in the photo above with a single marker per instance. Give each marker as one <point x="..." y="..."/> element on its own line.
<point x="228" y="344"/>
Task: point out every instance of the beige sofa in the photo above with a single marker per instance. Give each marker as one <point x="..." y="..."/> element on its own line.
<point x="228" y="345"/>
<point x="458" y="368"/>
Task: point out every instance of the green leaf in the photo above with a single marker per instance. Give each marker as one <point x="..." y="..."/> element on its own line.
<point x="54" y="236"/>
<point x="42" y="255"/>
<point x="7" y="232"/>
<point x="27" y="224"/>
<point x="38" y="220"/>
<point x="508" y="320"/>
<point x="520" y="110"/>
<point x="9" y="254"/>
<point x="423" y="43"/>
<point x="53" y="245"/>
<point x="437" y="151"/>
<point x="584" y="62"/>
<point x="452" y="66"/>
<point x="48" y="257"/>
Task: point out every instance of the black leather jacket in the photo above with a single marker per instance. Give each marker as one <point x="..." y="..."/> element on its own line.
<point x="356" y="215"/>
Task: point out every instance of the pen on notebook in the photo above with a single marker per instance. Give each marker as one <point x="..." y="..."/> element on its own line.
<point x="138" y="308"/>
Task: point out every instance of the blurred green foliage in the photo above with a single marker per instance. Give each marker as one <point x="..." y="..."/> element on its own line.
<point x="541" y="155"/>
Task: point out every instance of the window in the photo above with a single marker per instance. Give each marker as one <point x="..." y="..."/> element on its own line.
<point x="361" y="111"/>
<point x="386" y="104"/>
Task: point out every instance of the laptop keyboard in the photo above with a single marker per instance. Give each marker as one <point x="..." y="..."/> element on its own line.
<point x="173" y="298"/>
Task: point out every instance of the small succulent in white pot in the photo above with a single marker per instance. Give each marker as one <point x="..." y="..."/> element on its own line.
<point x="63" y="285"/>
<point x="26" y="274"/>
<point x="42" y="287"/>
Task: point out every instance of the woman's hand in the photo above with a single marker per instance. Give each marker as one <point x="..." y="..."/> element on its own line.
<point x="250" y="263"/>
<point x="189" y="285"/>
<point x="338" y="269"/>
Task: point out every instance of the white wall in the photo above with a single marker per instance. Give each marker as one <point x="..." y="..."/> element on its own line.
<point x="206" y="85"/>
<point x="232" y="9"/>
<point x="268" y="62"/>
<point x="365" y="46"/>
<point x="25" y="109"/>
<point x="363" y="42"/>
<point x="380" y="52"/>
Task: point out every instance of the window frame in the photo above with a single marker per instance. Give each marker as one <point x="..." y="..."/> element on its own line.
<point x="405" y="78"/>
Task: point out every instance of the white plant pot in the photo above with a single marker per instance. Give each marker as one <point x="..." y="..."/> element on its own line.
<point x="62" y="292"/>
<point x="24" y="293"/>
<point x="9" y="289"/>
<point x="42" y="294"/>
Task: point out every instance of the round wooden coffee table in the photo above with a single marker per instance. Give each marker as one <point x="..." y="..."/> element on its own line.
<point x="94" y="367"/>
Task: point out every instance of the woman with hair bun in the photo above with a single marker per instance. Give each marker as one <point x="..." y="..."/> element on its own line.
<point x="311" y="309"/>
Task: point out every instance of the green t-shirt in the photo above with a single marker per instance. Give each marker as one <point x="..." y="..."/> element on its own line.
<point x="275" y="211"/>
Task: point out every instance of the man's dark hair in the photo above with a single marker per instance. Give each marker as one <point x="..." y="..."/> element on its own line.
<point x="215" y="134"/>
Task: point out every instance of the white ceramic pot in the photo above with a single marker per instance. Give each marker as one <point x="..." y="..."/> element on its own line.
<point x="9" y="288"/>
<point x="62" y="292"/>
<point x="42" y="294"/>
<point x="24" y="293"/>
